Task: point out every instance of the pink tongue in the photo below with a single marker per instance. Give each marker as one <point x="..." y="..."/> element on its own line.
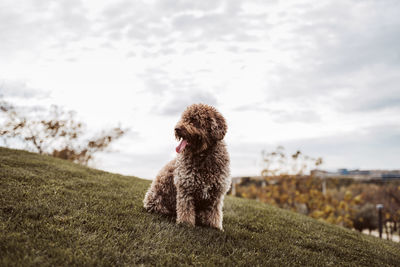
<point x="181" y="146"/>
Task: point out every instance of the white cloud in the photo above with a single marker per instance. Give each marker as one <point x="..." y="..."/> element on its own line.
<point x="181" y="99"/>
<point x="20" y="90"/>
<point x="282" y="72"/>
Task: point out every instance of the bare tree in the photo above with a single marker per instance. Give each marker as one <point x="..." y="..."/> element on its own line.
<point x="278" y="163"/>
<point x="57" y="133"/>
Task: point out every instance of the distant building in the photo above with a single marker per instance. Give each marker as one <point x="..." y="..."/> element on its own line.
<point x="359" y="174"/>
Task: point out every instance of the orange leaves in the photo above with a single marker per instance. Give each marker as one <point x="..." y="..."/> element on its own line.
<point x="348" y="196"/>
<point x="328" y="209"/>
<point x="304" y="194"/>
<point x="358" y="199"/>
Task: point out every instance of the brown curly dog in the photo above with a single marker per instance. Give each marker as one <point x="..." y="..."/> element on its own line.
<point x="193" y="185"/>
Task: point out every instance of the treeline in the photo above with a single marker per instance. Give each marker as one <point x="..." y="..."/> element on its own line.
<point x="339" y="201"/>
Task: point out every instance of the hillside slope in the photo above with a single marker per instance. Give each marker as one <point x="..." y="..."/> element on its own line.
<point x="54" y="212"/>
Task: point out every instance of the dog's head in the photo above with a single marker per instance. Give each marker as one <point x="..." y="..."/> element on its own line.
<point x="200" y="127"/>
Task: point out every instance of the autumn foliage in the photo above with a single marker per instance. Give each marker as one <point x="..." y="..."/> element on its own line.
<point x="304" y="195"/>
<point x="339" y="201"/>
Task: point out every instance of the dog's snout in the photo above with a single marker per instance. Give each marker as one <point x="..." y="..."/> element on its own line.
<point x="178" y="130"/>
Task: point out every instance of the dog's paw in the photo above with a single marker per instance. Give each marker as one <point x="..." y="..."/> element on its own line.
<point x="219" y="227"/>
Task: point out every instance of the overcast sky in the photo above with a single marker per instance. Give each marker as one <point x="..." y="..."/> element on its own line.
<point x="319" y="76"/>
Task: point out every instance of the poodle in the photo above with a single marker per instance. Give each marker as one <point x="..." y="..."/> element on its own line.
<point x="193" y="185"/>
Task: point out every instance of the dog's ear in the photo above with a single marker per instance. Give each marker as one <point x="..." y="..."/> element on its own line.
<point x="218" y="127"/>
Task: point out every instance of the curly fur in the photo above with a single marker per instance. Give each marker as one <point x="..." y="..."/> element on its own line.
<point x="193" y="185"/>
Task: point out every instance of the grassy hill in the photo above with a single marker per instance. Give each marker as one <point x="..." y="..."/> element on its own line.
<point x="54" y="212"/>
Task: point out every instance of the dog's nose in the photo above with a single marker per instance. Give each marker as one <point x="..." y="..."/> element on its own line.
<point x="178" y="130"/>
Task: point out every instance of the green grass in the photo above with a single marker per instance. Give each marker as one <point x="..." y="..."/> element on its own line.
<point x="54" y="212"/>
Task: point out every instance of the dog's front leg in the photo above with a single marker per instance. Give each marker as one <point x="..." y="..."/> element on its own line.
<point x="185" y="210"/>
